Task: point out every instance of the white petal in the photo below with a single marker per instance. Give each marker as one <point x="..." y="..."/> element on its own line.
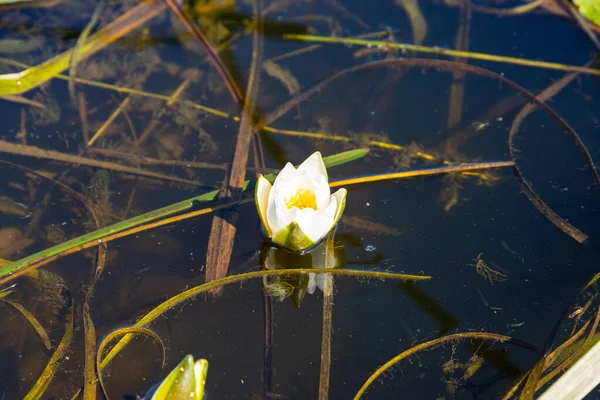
<point x="340" y="197"/>
<point x="289" y="188"/>
<point x="261" y="197"/>
<point x="314" y="166"/>
<point x="317" y="224"/>
<point x="279" y="216"/>
<point x="306" y="218"/>
<point x="287" y="173"/>
<point x="284" y="186"/>
<point x="322" y="192"/>
<point x="310" y="176"/>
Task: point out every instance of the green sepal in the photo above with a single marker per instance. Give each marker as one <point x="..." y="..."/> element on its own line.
<point x="293" y="238"/>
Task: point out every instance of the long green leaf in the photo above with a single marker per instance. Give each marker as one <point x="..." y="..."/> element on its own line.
<point x="163" y="212"/>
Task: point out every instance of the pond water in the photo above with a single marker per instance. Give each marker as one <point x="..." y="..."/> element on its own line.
<point x="497" y="264"/>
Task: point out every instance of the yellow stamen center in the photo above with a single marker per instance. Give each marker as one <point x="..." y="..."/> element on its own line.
<point x="302" y="199"/>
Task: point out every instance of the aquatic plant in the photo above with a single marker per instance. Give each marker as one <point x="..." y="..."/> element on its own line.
<point x="298" y="210"/>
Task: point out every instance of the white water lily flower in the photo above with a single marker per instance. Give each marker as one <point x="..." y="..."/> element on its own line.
<point x="298" y="210"/>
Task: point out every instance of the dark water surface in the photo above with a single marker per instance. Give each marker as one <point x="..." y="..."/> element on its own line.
<point x="408" y="226"/>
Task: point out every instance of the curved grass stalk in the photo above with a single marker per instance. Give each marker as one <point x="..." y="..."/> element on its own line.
<point x="32" y="320"/>
<point x="191" y="293"/>
<point x="45" y="378"/>
<point x="564" y="225"/>
<point x="444" y="52"/>
<point x="131" y="331"/>
<point x="434" y="343"/>
<point x="418" y="23"/>
<point x="19" y="267"/>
